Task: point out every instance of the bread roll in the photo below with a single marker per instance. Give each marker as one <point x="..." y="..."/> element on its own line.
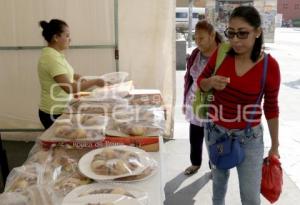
<point x="63" y="131"/>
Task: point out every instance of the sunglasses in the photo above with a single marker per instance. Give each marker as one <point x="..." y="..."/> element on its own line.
<point x="240" y="34"/>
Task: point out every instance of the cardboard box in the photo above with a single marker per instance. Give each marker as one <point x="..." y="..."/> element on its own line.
<point x="145" y="97"/>
<point x="149" y="144"/>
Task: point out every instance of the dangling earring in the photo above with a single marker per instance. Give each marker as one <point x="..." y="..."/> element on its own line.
<point x="257" y="36"/>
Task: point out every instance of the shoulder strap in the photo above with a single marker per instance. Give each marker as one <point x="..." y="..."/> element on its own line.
<point x="259" y="98"/>
<point x="222" y="52"/>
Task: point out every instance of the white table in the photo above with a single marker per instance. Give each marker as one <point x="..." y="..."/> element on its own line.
<point x="154" y="186"/>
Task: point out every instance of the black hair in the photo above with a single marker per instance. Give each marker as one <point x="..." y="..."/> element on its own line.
<point x="204" y="25"/>
<point x="252" y="17"/>
<point x="55" y="26"/>
<point x="218" y="38"/>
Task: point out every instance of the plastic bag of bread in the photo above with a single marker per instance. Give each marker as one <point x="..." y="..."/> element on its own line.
<point x="59" y="166"/>
<point x="148" y="172"/>
<point x="34" y="195"/>
<point x="115" y="77"/>
<point x="141" y="128"/>
<point x="114" y="161"/>
<point x="98" y="189"/>
<point x="39" y="156"/>
<point x="88" y="121"/>
<point x="138" y="121"/>
<point x="121" y="89"/>
<point x="140" y="113"/>
<point x="13" y="198"/>
<point x="68" y="183"/>
<point x="109" y="79"/>
<point x="96" y="105"/>
<point x="76" y="127"/>
<point x="45" y="195"/>
<point x="20" y="178"/>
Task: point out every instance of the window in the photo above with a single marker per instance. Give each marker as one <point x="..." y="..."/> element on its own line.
<point x="181" y="15"/>
<point x="285" y="6"/>
<point x="195" y="15"/>
<point x="201" y="17"/>
<point x="297" y="6"/>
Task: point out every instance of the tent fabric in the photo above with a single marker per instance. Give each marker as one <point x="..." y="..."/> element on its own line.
<point x="146" y="37"/>
<point x="147" y="47"/>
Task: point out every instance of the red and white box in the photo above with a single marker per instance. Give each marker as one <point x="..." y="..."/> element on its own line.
<point x="145" y="97"/>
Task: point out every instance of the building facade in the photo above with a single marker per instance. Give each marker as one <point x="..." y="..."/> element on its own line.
<point x="218" y="11"/>
<point x="290" y="9"/>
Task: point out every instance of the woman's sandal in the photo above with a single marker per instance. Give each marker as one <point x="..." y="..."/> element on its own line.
<point x="191" y="170"/>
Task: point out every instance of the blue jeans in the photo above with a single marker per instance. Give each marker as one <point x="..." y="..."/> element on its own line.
<point x="249" y="171"/>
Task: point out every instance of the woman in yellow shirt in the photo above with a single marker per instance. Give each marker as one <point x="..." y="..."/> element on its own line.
<point x="56" y="75"/>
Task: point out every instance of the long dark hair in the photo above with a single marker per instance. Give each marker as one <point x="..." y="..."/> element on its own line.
<point x="252" y="17"/>
<point x="204" y="25"/>
<point x="55" y="26"/>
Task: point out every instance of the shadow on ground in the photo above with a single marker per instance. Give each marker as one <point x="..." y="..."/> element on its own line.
<point x="293" y="84"/>
<point x="185" y="195"/>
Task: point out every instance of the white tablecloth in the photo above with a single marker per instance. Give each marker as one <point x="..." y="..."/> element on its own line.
<point x="155" y="185"/>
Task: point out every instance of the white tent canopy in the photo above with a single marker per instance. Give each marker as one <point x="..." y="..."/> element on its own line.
<point x="143" y="31"/>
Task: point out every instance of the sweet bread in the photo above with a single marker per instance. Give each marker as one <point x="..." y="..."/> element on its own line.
<point x="115" y="162"/>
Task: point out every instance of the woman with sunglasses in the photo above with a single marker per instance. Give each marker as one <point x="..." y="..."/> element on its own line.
<point x="237" y="87"/>
<point x="207" y="40"/>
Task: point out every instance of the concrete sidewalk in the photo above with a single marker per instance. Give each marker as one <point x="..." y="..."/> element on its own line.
<point x="197" y="189"/>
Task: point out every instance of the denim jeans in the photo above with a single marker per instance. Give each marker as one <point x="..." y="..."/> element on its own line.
<point x="249" y="171"/>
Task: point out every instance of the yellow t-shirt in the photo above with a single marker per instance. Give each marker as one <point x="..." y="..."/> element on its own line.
<point x="53" y="63"/>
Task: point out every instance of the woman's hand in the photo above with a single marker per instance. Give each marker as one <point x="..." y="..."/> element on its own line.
<point x="100" y="82"/>
<point x="274" y="151"/>
<point x="219" y="82"/>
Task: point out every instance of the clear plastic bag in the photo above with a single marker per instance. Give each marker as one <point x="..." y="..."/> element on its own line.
<point x="113" y="91"/>
<point x="148" y="172"/>
<point x="76" y="127"/>
<point x="140" y="113"/>
<point x="115" y="161"/>
<point x="38" y="155"/>
<point x="20" y="178"/>
<point x="96" y="105"/>
<point x="13" y="198"/>
<point x="137" y="121"/>
<point x="59" y="166"/>
<point x="109" y="79"/>
<point x="115" y="77"/>
<point x="45" y="195"/>
<point x="95" y="190"/>
<point x="145" y="97"/>
<point x="68" y="183"/>
<point x="142" y="128"/>
<point x="34" y="195"/>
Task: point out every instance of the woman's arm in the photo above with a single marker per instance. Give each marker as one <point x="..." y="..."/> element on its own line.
<point x="217" y="82"/>
<point x="76" y="87"/>
<point x="206" y="81"/>
<point x="271" y="108"/>
<point x="273" y="129"/>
